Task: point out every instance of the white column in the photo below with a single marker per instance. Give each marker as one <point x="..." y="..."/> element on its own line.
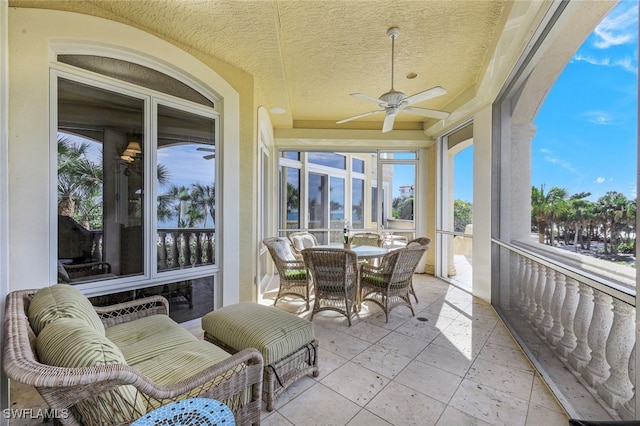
<point x="628" y="410"/>
<point x="597" y="370"/>
<point x="525" y="288"/>
<point x="569" y="307"/>
<point x="618" y="389"/>
<point x="557" y="330"/>
<point x="581" y="355"/>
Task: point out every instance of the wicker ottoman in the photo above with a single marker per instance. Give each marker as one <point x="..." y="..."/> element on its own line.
<point x="286" y="341"/>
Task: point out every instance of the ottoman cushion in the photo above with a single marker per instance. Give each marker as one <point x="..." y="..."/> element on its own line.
<point x="275" y="333"/>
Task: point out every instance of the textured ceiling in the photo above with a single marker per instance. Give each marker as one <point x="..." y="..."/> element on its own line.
<point x="308" y="56"/>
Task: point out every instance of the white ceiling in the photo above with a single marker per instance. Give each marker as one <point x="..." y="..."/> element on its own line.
<point x="306" y="57"/>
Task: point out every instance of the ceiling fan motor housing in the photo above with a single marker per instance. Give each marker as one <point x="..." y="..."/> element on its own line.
<point x="392" y="98"/>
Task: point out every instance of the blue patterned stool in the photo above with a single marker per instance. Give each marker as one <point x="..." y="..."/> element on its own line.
<point x="286" y="341"/>
<point x="189" y="412"/>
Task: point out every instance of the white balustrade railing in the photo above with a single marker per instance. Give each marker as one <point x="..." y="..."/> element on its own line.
<point x="181" y="248"/>
<point x="589" y="330"/>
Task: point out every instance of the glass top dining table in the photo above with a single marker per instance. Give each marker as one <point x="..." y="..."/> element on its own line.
<point x="363" y="252"/>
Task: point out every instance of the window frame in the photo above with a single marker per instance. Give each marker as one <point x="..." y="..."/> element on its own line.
<point x="151" y="98"/>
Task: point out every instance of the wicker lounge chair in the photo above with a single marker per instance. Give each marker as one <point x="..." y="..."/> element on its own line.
<point x="335" y="279"/>
<point x="107" y="392"/>
<point x="294" y="279"/>
<point x="388" y="285"/>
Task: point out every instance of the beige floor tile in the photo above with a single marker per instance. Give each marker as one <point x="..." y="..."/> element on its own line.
<point x="355" y="382"/>
<point x="400" y="405"/>
<point x="367" y="331"/>
<point x="454" y="417"/>
<point x="511" y="357"/>
<point x="382" y="361"/>
<point x="319" y="405"/>
<point x="490" y="405"/>
<point x="403" y="345"/>
<point x="449" y="360"/>
<point x="502" y="377"/>
<point x="431" y="381"/>
<point x="366" y="418"/>
<point x="539" y="415"/>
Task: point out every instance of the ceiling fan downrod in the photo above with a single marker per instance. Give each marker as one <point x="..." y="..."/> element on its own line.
<point x="393" y="33"/>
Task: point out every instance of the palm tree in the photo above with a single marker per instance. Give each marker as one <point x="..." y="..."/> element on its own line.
<point x="545" y="209"/>
<point x="204" y="198"/>
<point x="79" y="178"/>
<point x="611" y="208"/>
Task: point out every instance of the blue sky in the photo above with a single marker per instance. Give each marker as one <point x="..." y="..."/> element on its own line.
<point x="586" y="137"/>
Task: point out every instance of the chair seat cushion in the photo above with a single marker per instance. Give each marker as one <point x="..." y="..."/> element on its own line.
<point x="145" y="338"/>
<point x="275" y="333"/>
<point x="296" y="274"/>
<point x="177" y="364"/>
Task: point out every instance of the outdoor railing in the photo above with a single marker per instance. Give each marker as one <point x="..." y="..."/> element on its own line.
<point x="584" y="321"/>
<point x="180" y="248"/>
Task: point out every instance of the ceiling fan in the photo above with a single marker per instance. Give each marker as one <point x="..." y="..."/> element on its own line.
<point x="393" y="101"/>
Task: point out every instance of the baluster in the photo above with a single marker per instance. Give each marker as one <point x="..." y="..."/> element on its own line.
<point x="556" y="332"/>
<point x="210" y="247"/>
<point x="175" y="251"/>
<point x="519" y="280"/>
<point x="162" y="251"/>
<point x="628" y="410"/>
<point x="547" y="319"/>
<point x="198" y="248"/>
<point x="540" y="288"/>
<point x="618" y="389"/>
<point x="567" y="314"/>
<point x="597" y="370"/>
<point x="524" y="287"/>
<point x="187" y="249"/>
<point x="532" y="285"/>
<point x="581" y="355"/>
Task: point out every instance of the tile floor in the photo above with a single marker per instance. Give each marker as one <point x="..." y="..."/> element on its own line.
<point x="454" y="363"/>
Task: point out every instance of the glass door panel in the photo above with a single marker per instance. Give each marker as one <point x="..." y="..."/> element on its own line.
<point x="318" y="200"/>
<point x="400" y="221"/>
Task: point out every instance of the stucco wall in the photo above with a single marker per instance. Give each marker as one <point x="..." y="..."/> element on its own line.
<point x="32" y="36"/>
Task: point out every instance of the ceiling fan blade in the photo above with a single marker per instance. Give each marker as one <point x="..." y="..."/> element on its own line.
<point x="434" y="92"/>
<point x="355" y="117"/>
<point x="206" y="149"/>
<point x="388" y="122"/>
<point x="426" y="112"/>
<point x="369" y="98"/>
<point x="209" y="157"/>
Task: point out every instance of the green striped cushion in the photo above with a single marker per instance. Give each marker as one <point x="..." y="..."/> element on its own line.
<point x="273" y="332"/>
<point x="296" y="274"/>
<point x="61" y="301"/>
<point x="70" y="342"/>
<point x="185" y="361"/>
<point x="145" y="338"/>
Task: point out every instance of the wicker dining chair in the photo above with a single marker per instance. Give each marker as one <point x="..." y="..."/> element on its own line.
<point x="335" y="280"/>
<point x="389" y="284"/>
<point x="420" y="241"/>
<point x="294" y="277"/>
<point x="366" y="239"/>
<point x="301" y="240"/>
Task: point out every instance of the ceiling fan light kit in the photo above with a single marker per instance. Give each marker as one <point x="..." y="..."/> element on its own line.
<point x="394" y="101"/>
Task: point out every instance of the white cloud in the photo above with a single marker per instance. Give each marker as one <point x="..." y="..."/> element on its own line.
<point x="617" y="28"/>
<point x="627" y="63"/>
<point x="600" y="179"/>
<point x="545" y="151"/>
<point x="598" y="117"/>
<point x="562" y="163"/>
